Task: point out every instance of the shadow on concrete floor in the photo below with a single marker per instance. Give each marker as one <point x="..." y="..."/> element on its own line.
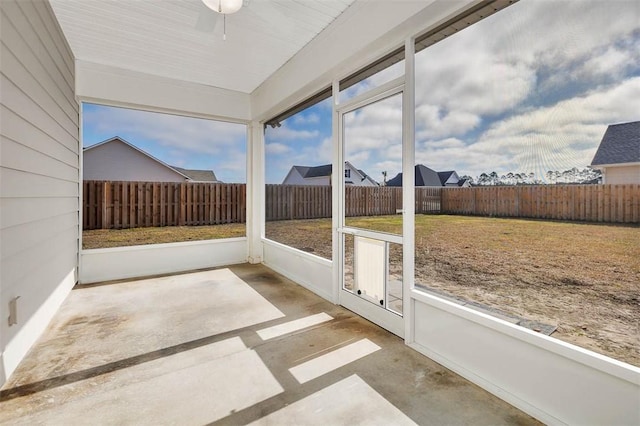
<point x="233" y="345"/>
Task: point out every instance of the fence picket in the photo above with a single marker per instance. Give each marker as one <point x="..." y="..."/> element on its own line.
<point x="109" y="205"/>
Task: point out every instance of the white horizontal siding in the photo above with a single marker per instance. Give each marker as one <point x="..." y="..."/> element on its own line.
<point x="17" y="128"/>
<point x="51" y="246"/>
<point x="51" y="38"/>
<point x="16" y="72"/>
<point x="21" y="103"/>
<point x="18" y="211"/>
<point x="39" y="173"/>
<point x="19" y="184"/>
<point x="28" y="236"/>
<point x="26" y="159"/>
<point x="24" y="40"/>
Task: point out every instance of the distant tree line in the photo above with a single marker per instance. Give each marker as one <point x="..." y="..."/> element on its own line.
<point x="570" y="176"/>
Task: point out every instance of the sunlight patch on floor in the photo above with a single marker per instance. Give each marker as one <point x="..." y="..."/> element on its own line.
<point x="351" y="401"/>
<point x="333" y="360"/>
<point x="293" y="326"/>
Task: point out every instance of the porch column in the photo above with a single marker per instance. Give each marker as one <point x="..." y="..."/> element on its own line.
<point x="408" y="187"/>
<point x="255" y="191"/>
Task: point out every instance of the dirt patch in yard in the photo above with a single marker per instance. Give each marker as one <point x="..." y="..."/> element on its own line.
<point x="583" y="278"/>
<point x="106" y="238"/>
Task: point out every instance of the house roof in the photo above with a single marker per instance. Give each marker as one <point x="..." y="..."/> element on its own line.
<point x="325" y="170"/>
<point x="444" y="176"/>
<point x="198" y="175"/>
<point x="192" y="175"/>
<point x="316" y="171"/>
<point x="119" y="139"/>
<point x="620" y="144"/>
<point x="367" y="177"/>
<point x="424" y="177"/>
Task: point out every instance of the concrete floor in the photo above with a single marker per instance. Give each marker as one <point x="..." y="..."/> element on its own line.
<point x="235" y="345"/>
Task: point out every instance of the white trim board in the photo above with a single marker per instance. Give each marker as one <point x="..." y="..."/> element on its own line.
<point x="138" y="261"/>
<point x="551" y="380"/>
<point x="311" y="272"/>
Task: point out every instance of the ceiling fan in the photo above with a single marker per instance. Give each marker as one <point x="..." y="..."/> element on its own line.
<point x="268" y="12"/>
<point x="207" y="21"/>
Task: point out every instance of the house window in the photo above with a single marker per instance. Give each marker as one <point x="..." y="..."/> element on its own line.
<point x="347" y="173"/>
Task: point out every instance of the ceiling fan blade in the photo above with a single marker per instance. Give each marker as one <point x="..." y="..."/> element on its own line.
<point x="207" y="19"/>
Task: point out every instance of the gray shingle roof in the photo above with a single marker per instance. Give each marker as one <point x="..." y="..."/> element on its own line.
<point x="620" y="144"/>
<point x="444" y="176"/>
<point x="424" y="177"/>
<point x="318" y="171"/>
<point x="325" y="170"/>
<point x="198" y="175"/>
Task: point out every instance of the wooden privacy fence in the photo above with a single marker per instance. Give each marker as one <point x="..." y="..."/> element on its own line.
<point x="116" y="205"/>
<point x="109" y="205"/>
<point x="287" y="202"/>
<point x="592" y="203"/>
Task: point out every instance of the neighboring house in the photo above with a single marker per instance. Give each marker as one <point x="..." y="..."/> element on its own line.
<point x="117" y="159"/>
<point x="321" y="175"/>
<point x="198" y="175"/>
<point x="464" y="183"/>
<point x="429" y="177"/>
<point x="618" y="156"/>
<point x="451" y="178"/>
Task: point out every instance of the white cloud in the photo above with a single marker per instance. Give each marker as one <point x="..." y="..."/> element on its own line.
<point x="285" y="133"/>
<point x="494" y="70"/>
<point x="560" y="136"/>
<point x="170" y="131"/>
<point x="434" y="124"/>
<point x="531" y="88"/>
<point x="300" y="119"/>
<point x="276" y="148"/>
<point x="612" y="61"/>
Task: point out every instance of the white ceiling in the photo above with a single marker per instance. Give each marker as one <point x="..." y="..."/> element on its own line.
<point x="161" y="37"/>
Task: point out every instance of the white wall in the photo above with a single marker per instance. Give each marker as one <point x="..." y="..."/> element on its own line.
<point x="116" y="160"/>
<point x="108" y="85"/>
<point x="39" y="177"/>
<point x="139" y="261"/>
<point x="312" y="272"/>
<point x="621" y="174"/>
<point x="554" y="381"/>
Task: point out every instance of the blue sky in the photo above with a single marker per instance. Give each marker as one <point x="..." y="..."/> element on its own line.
<point x="191" y="143"/>
<point x="529" y="89"/>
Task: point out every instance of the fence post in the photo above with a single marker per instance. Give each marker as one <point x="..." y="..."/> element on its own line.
<point x="182" y="211"/>
<point x="105" y="210"/>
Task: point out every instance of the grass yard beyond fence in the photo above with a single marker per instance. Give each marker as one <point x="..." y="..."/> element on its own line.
<point x="583" y="278"/>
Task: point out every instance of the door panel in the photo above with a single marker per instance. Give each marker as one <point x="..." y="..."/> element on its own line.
<point x="371" y="214"/>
